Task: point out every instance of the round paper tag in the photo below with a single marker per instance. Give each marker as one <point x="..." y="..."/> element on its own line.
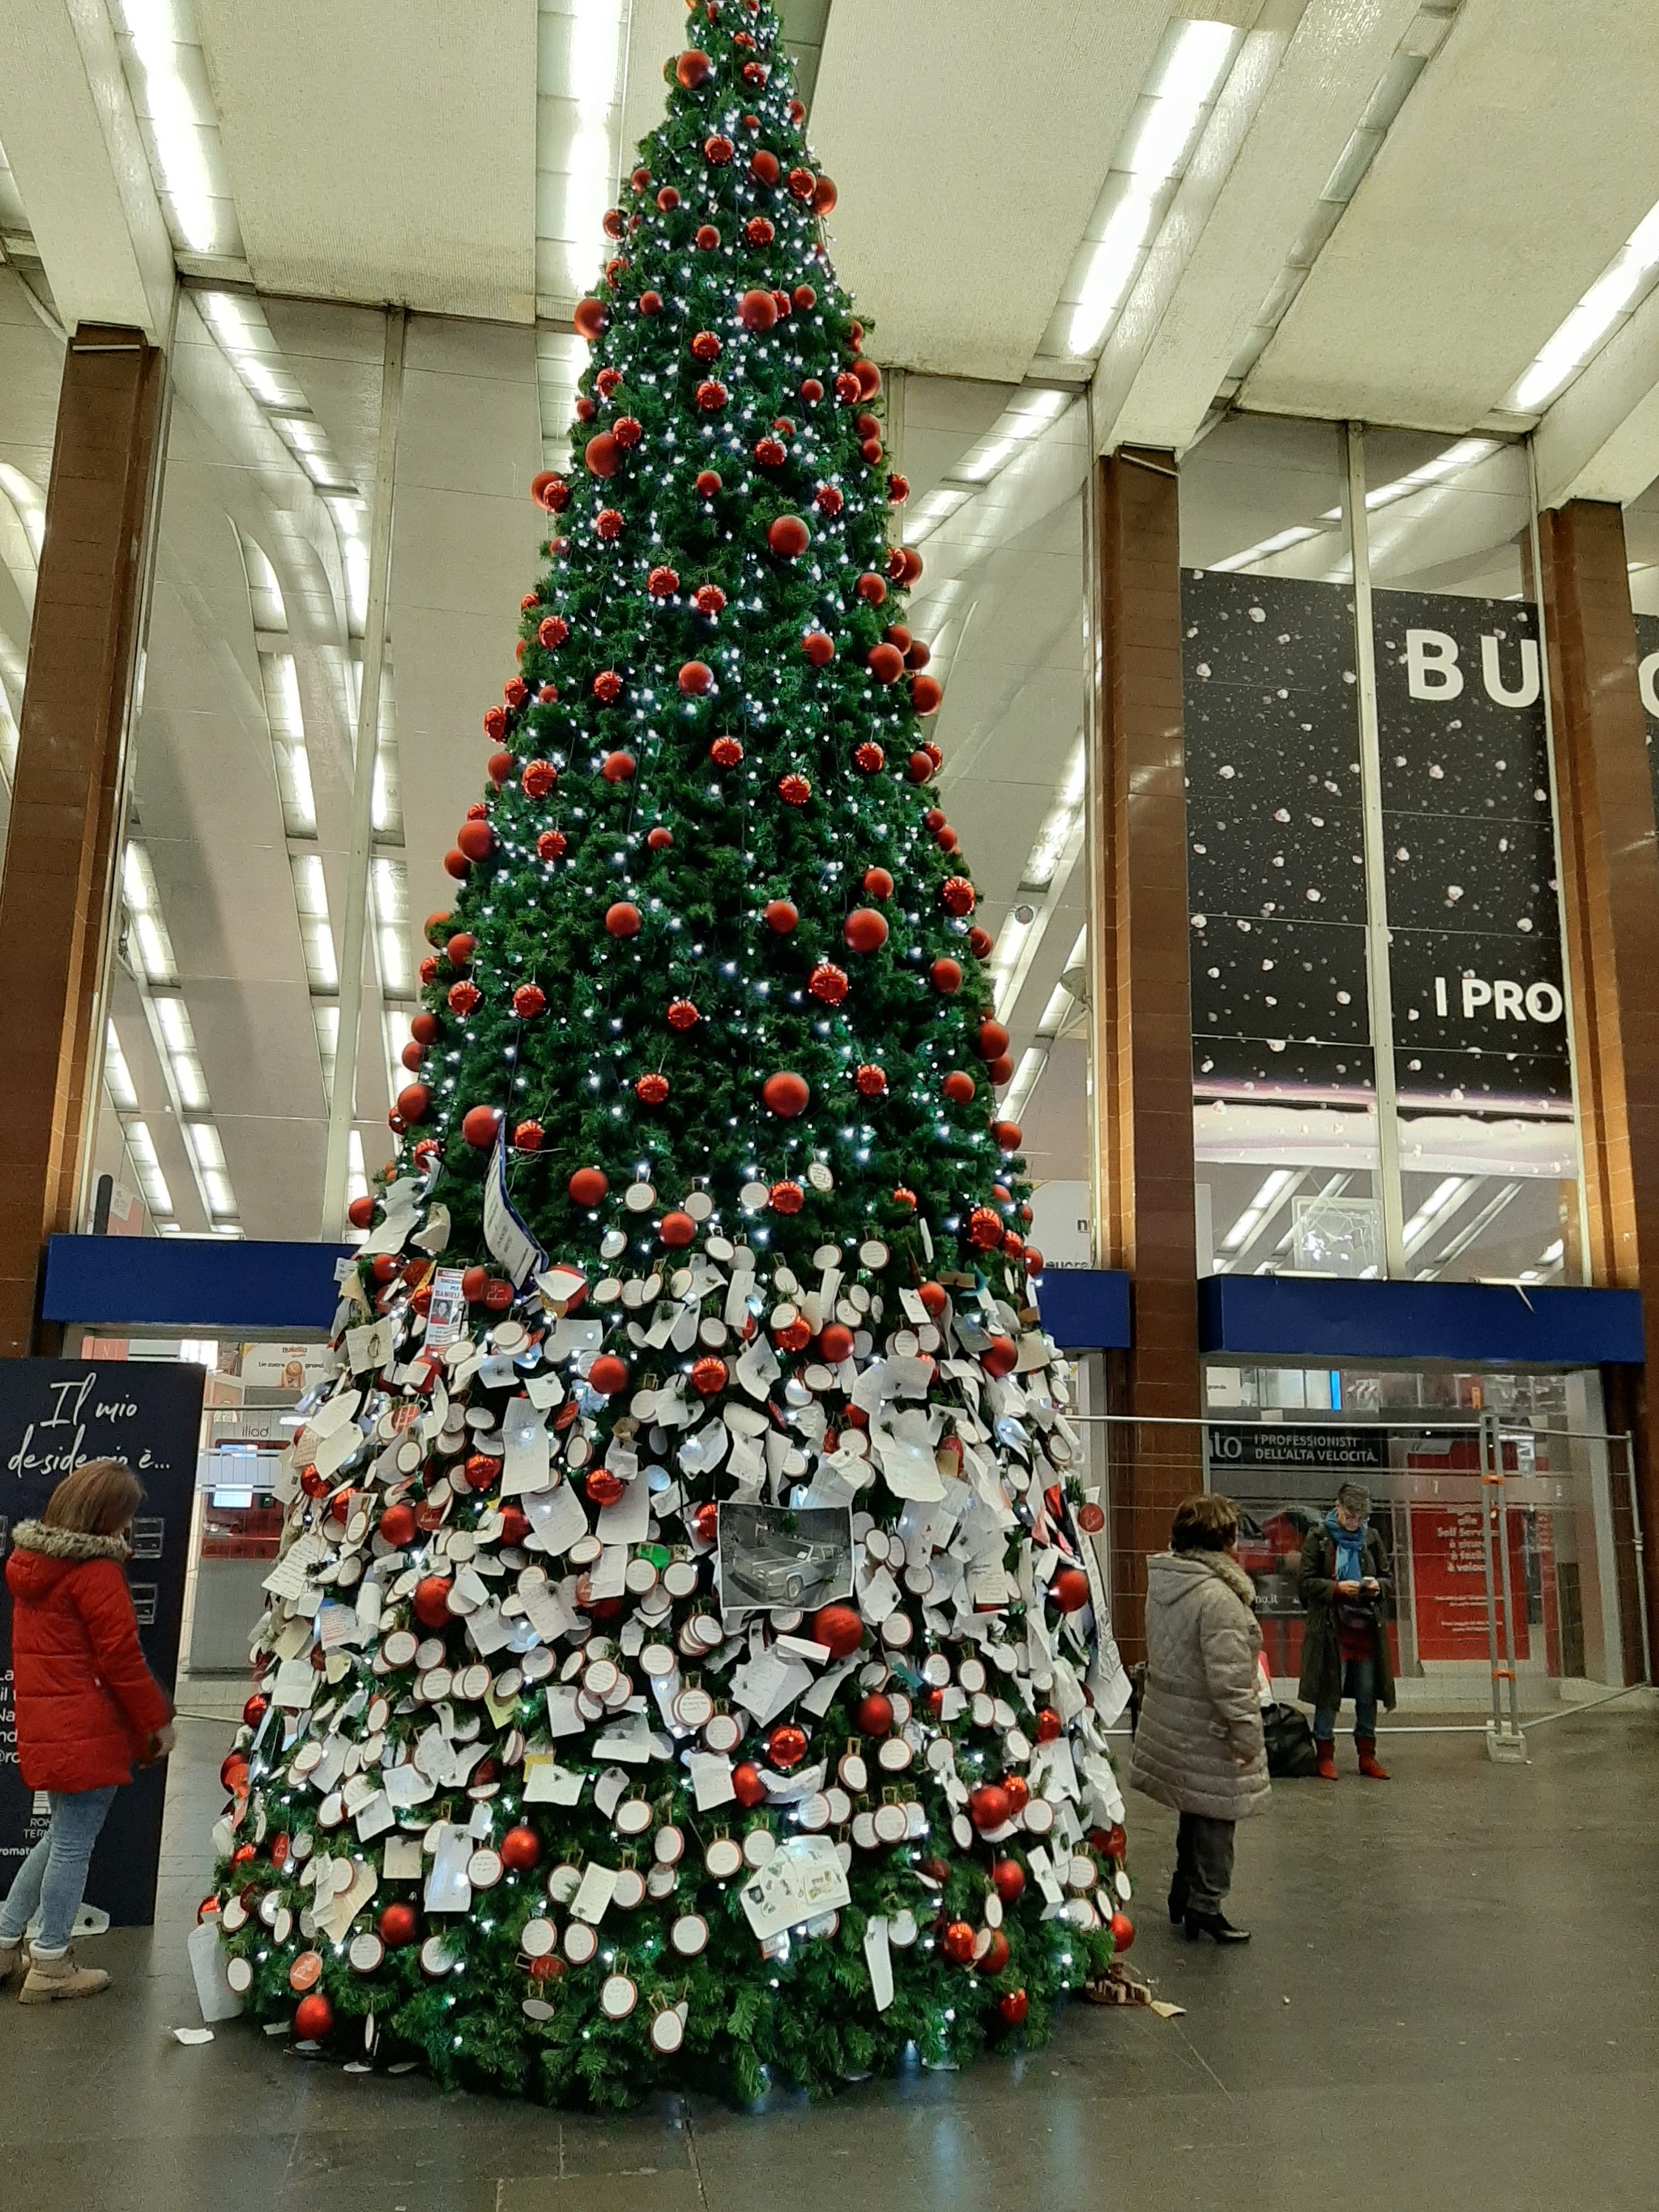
<point x="873" y="1254"/>
<point x="688" y="1935"/>
<point x="639" y="1197"/>
<point x="632" y="1817"/>
<point x="863" y="1831"/>
<point x="759" y="1845"/>
<point x="668" y="1845"/>
<point x="366" y="1953"/>
<point x="891" y="1820"/>
<point x="483" y="1870"/>
<point x="233" y="1916"/>
<point x="239" y="1973"/>
<point x="667" y="2031"/>
<point x="537" y="1937"/>
<point x="580" y="1942"/>
<point x="306" y="1971"/>
<point x="628" y="1894"/>
<point x="722" y="1732"/>
<point x="902" y="1929"/>
<point x="679" y="1577"/>
<point x="723" y="1858"/>
<point x="815" y="1812"/>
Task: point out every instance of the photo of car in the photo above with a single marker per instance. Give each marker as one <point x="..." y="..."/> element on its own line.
<point x="776" y="1557"/>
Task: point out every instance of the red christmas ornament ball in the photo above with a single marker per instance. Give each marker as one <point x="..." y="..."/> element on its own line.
<point x="361" y="1212"/>
<point x="873" y="1714"/>
<point x="839" y="1629"/>
<point x="1070" y="1589"/>
<point x="757" y="311"/>
<point x="945" y="976"/>
<point x="314" y="2016"/>
<point x="587" y="1186"/>
<point x="477" y="840"/>
<point x="886" y="663"/>
<point x="397" y="1525"/>
<point x="607" y="1376"/>
<point x="990" y="1805"/>
<point x="677" y="1229"/>
<point x="651" y="1089"/>
<point x="836" y="1342"/>
<point x="254" y="1711"/>
<point x="622" y="919"/>
<point x="1008" y="1879"/>
<point x="398" y="1925"/>
<point x="1001" y="1355"/>
<point x="958" y="1085"/>
<point x="789" y="537"/>
<point x="431" y="1602"/>
<point x="787" y="1197"/>
<point x="520" y="1848"/>
<point x="818" y="647"/>
<point x="692" y="69"/>
<point x="780" y="915"/>
<point x="957" y="895"/>
<point x="602" y="456"/>
<point x="695" y="679"/>
<point x="709" y="1374"/>
<point x="1012" y="2007"/>
<point x="994" y="1957"/>
<point x="1122" y="1931"/>
<point x="746" y="1783"/>
<point x="828" y="983"/>
<point x="479" y="1125"/>
<point x="935" y="1299"/>
<point x="786" y="1094"/>
<point x="787" y="1746"/>
<point x="871" y="1080"/>
<point x="529" y="1001"/>
<point x="868" y="757"/>
<point x="551" y="845"/>
<point x="618" y="768"/>
<point x="957" y="1942"/>
<point x="1048" y="1725"/>
<point x="682" y="1014"/>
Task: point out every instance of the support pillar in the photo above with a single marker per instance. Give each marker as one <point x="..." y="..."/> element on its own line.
<point x="1610" y="908"/>
<point x="1140" y="1002"/>
<point x="55" y="894"/>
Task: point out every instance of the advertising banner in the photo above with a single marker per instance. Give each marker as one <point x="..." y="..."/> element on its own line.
<point x="1276" y="879"/>
<point x="55" y="1415"/>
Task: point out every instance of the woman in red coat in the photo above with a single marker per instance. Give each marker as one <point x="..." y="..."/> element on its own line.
<point x="87" y="1707"/>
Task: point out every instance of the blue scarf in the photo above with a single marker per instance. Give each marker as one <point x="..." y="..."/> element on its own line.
<point x="1350" y="1548"/>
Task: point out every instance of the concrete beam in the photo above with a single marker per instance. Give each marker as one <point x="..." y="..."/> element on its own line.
<point x="1601" y="439"/>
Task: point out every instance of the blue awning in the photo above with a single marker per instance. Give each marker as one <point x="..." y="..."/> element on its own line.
<point x="1319" y="1321"/>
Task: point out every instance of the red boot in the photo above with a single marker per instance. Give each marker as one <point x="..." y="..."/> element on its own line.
<point x="1327" y="1760"/>
<point x="1366" y="1747"/>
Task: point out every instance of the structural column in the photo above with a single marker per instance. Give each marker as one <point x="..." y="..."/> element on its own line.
<point x="1142" y="1066"/>
<point x="1610" y="907"/>
<point x="55" y="892"/>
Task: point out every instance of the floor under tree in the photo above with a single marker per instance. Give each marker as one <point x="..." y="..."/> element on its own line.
<point x="1449" y="2003"/>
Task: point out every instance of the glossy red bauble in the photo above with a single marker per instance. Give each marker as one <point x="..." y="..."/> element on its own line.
<point x="780" y="915"/>
<point x="1008" y="1135"/>
<point x="607" y="1376"/>
<point x="589" y="318"/>
<point x="757" y="311"/>
<point x="413" y="1100"/>
<point x="839" y="1629"/>
<point x="868" y="757"/>
<point x="786" y="1094"/>
<point x="529" y="1001"/>
<point x="1048" y="1725"/>
<point x="622" y="919"/>
<point x="1008" y="1879"/>
<point x="945" y="976"/>
<point x="397" y="1525"/>
<point x="787" y="1746"/>
<point x="398" y="1925"/>
<point x="873" y="1714"/>
<point x="818" y="647"/>
<point x="431" y="1602"/>
<point x="1001" y="1355"/>
<point x="587" y="1186"/>
<point x="789" y="537"/>
<point x="677" y="1229"/>
<point x="726" y="752"/>
<point x="682" y="1014"/>
<point x="836" y="1342"/>
<point x="618" y="768"/>
<point x="651" y="1089"/>
<point x="709" y="1374"/>
<point x="551" y="845"/>
<point x="878" y="883"/>
<point x="958" y="1087"/>
<point x="1070" y="1589"/>
<point x="695" y="679"/>
<point x="994" y="1957"/>
<point x="787" y="1197"/>
<point x="957" y="1942"/>
<point x="602" y="456"/>
<point x="520" y="1848"/>
<point x="990" y="1805"/>
<point x="886" y="663"/>
<point x="479" y="1125"/>
<point x="1122" y="1931"/>
<point x="871" y="1080"/>
<point x="1012" y="2007"/>
<point x="694" y="68"/>
<point x="935" y="1298"/>
<point x="956" y="895"/>
<point x="314" y="2016"/>
<point x="747" y="1785"/>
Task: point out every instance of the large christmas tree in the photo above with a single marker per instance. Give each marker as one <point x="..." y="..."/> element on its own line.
<point x="681" y="1662"/>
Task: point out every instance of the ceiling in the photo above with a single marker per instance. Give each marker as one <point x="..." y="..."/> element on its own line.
<point x="1382" y="209"/>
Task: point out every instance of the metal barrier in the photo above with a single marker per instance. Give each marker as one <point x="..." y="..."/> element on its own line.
<point x="1517" y="1551"/>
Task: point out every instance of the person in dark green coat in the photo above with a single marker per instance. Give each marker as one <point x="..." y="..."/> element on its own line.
<point x="1346" y="1582"/>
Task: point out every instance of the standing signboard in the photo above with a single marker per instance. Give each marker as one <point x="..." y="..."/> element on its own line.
<point x="55" y="1415"/>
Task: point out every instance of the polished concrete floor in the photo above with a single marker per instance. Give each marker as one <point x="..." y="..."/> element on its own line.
<point x="1449" y="2003"/>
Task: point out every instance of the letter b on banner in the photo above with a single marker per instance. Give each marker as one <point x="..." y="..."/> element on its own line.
<point x="1432" y="669"/>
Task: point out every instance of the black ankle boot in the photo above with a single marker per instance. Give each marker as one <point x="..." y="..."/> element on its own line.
<point x="1178" y="1889"/>
<point x="1214" y="1924"/>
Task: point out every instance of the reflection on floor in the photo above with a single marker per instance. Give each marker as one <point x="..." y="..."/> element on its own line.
<point x="1448" y="2007"/>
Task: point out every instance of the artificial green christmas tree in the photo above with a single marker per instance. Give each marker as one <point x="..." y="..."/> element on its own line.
<point x="681" y="1660"/>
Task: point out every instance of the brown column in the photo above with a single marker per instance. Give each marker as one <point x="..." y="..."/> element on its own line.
<point x="1610" y="905"/>
<point x="54" y="895"/>
<point x="1142" y="1073"/>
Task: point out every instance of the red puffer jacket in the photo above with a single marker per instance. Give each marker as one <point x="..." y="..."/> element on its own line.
<point x="86" y="1702"/>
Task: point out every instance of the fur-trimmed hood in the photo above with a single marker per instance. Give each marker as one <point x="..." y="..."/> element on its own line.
<point x="1175" y="1570"/>
<point x="73" y="1544"/>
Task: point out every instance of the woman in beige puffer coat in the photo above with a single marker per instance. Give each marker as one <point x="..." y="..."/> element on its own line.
<point x="1198" y="1744"/>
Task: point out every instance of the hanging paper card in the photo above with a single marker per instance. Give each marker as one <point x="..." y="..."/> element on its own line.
<point x="803" y="1878"/>
<point x="446" y="1314"/>
<point x="505" y="1230"/>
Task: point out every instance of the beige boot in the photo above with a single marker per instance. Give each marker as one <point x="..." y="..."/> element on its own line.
<point x="50" y="1979"/>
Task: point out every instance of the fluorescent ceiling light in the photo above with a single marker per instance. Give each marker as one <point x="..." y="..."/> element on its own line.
<point x="29" y="501"/>
<point x="186" y="183"/>
<point x="1430" y="1210"/>
<point x="1164" y="126"/>
<point x="1250" y="1220"/>
<point x="1607" y="303"/>
<point x="595" y="61"/>
<point x="117" y="1076"/>
<point x="141" y="1150"/>
<point x="1031" y="1064"/>
<point x="1058" y="824"/>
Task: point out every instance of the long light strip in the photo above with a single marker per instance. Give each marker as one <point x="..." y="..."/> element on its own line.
<point x="1250" y="1220"/>
<point x="1467" y="453"/>
<point x="1164" y="129"/>
<point x="177" y="129"/>
<point x="1610" y="300"/>
<point x="1430" y="1210"/>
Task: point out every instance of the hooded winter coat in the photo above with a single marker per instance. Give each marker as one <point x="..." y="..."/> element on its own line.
<point x="86" y="1703"/>
<point x="1202" y="1703"/>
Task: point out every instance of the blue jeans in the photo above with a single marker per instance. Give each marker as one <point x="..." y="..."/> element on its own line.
<point x="1359" y="1683"/>
<point x="54" y="1874"/>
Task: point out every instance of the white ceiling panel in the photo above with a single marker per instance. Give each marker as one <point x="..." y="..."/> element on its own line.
<point x="403" y="164"/>
<point x="1520" y="164"/>
<point x="968" y="166"/>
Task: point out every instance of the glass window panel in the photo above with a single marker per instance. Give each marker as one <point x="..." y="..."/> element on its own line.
<point x="1488" y="1149"/>
<point x="1283" y="1077"/>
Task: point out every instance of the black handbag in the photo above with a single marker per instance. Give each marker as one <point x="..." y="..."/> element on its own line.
<point x="1292" y="1754"/>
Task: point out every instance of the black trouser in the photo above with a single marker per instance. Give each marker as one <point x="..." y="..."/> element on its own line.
<point x="1204" y="1860"/>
